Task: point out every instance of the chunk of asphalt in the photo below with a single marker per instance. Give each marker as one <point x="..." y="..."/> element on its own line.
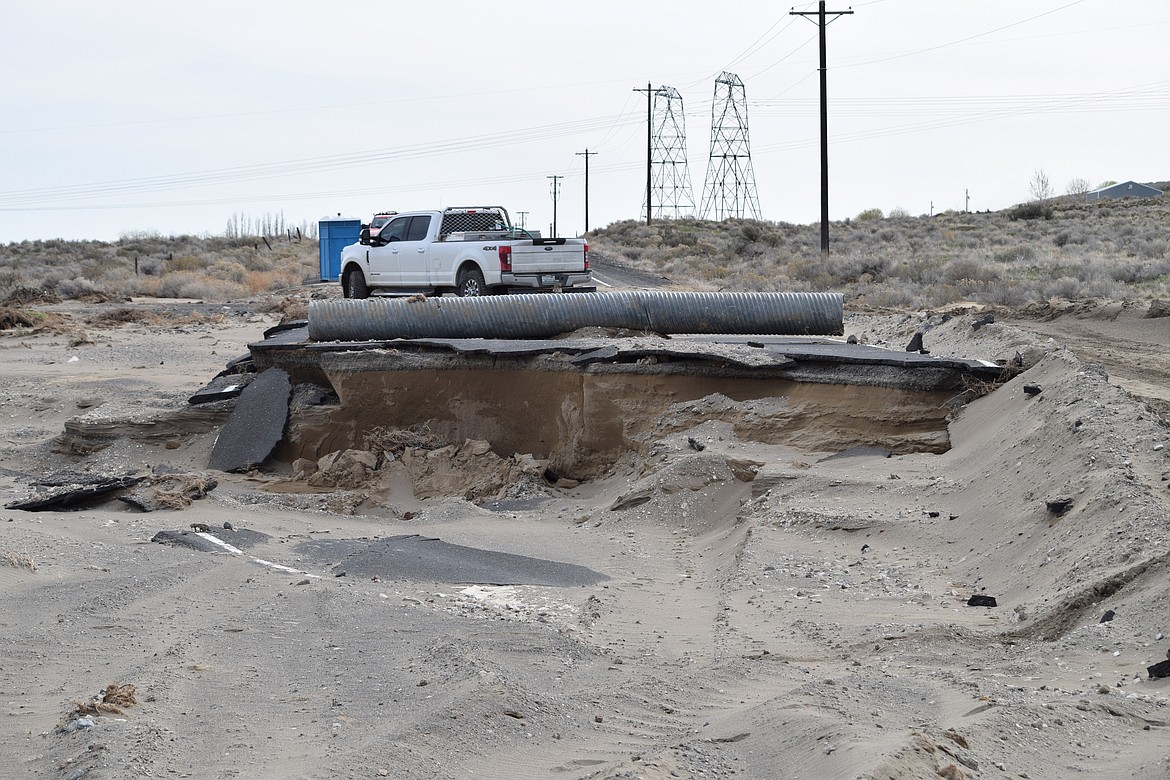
<point x="241" y="538"/>
<point x="255" y="425"/>
<point x="427" y="559"/>
<point x="221" y="388"/>
<point x="74" y="496"/>
<point x="979" y="600"/>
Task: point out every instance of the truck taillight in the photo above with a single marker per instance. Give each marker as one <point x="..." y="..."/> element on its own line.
<point x="505" y="258"/>
<point x="586" y="257"/>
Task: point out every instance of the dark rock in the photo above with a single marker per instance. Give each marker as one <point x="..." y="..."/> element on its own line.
<point x="1059" y="505"/>
<point x="915" y="344"/>
<point x="1158" y="309"/>
<point x="986" y="319"/>
<point x="1160" y="669"/>
<point x="979" y="600"/>
<point x="696" y="445"/>
<point x="851" y="340"/>
<point x="1032" y="389"/>
<point x="1109" y="615"/>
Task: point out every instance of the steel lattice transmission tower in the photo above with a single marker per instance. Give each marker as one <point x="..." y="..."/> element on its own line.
<point x="670" y="184"/>
<point x="730" y="189"/>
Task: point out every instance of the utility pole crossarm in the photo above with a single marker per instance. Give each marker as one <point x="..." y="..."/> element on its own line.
<point x="821" y="23"/>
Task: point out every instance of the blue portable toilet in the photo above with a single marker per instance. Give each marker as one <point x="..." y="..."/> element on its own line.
<point x="333" y="235"/>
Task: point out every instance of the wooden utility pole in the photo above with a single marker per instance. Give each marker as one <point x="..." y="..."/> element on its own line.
<point x="822" y="22"/>
<point x="555" y="192"/>
<point x="650" y="92"/>
<point x="586" y="154"/>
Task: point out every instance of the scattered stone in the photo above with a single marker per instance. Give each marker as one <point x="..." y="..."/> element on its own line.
<point x="228" y="526"/>
<point x="1108" y="616"/>
<point x="696" y="445"/>
<point x="1059" y="504"/>
<point x="1032" y="390"/>
<point x="1160" y="669"/>
<point x="851" y="340"/>
<point x="979" y="600"/>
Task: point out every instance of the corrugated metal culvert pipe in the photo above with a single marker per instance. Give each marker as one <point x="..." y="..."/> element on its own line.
<point x="548" y="315"/>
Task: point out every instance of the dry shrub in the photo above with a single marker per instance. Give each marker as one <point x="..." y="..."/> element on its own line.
<point x="397" y="440"/>
<point x="262" y="281"/>
<point x="15" y="318"/>
<point x="110" y="701"/>
<point x="124" y="315"/>
<point x="22" y="296"/>
<point x="17" y="561"/>
<point x="185" y="263"/>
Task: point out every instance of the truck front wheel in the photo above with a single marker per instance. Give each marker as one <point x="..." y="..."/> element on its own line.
<point x="470" y="283"/>
<point x="354" y="285"/>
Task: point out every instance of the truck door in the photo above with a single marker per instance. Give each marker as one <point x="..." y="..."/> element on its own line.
<point x="413" y="251"/>
<point x="384" y="260"/>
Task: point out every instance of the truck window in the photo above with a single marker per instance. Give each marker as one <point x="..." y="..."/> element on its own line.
<point x="418" y="228"/>
<point x="396" y="230"/>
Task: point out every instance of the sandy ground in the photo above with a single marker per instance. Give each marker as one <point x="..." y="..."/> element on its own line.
<point x="767" y="612"/>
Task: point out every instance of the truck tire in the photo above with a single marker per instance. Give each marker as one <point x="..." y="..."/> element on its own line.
<point x="470" y="283"/>
<point x="354" y="285"/>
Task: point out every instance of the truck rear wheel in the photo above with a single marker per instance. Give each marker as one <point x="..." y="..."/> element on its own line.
<point x="354" y="285"/>
<point x="470" y="283"/>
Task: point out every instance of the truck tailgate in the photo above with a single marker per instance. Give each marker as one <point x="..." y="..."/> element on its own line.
<point x="531" y="257"/>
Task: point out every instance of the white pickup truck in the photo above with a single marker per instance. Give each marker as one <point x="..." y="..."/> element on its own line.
<point x="468" y="251"/>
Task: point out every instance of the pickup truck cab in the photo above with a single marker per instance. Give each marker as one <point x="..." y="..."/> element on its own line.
<point x="467" y="250"/>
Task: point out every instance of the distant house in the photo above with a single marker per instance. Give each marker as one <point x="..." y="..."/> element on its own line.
<point x="1126" y="189"/>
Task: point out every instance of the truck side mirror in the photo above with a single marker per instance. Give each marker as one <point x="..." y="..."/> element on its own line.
<point x="365" y="235"/>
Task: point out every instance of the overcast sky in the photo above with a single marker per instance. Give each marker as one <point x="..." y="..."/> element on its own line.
<point x="125" y="116"/>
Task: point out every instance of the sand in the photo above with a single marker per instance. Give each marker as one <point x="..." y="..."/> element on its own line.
<point x="767" y="611"/>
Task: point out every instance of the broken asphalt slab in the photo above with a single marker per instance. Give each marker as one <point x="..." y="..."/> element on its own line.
<point x="241" y="538"/>
<point x="70" y="497"/>
<point x="427" y="559"/>
<point x="256" y="424"/>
